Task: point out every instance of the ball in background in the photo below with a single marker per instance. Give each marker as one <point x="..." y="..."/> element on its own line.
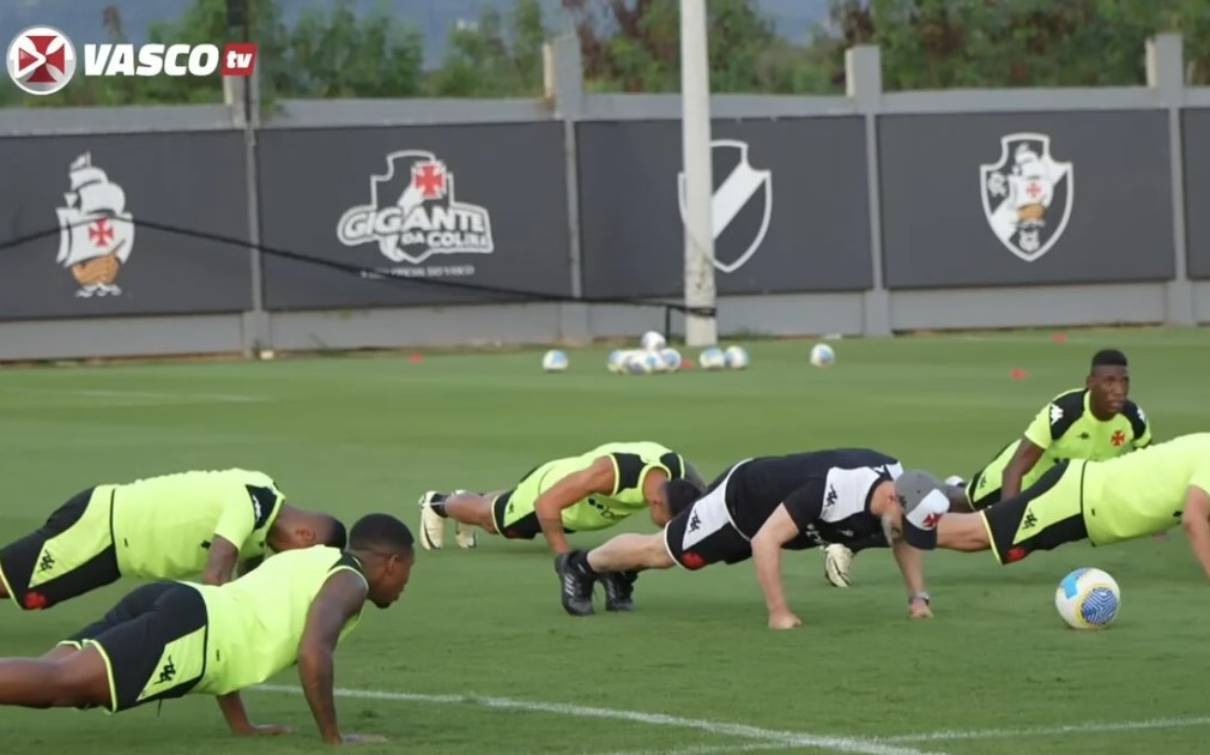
<point x="652" y="341"/>
<point x="642" y="363"/>
<point x="617" y="361"/>
<point x="554" y="361"/>
<point x="1088" y="599"/>
<point x="671" y="359"/>
<point x="822" y="355"/>
<point x="736" y="357"/>
<point x="712" y="359"/>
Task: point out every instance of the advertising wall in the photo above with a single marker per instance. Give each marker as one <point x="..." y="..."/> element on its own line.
<point x="1018" y="198"/>
<point x="82" y="204"/>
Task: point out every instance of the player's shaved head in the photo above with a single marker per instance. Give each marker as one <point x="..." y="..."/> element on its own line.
<point x="297" y="528"/>
<point x="695" y="477"/>
<point x="1108" y="358"/>
<point x="335" y="535"/>
<point x="381" y="533"/>
<point x="682" y="494"/>
<point x="385" y="546"/>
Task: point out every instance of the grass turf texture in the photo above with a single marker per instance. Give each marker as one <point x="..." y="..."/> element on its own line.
<point x="362" y="434"/>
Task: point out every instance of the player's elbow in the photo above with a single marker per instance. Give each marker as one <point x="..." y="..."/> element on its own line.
<point x="764" y="542"/>
<point x="313" y="659"/>
<point x="546" y="510"/>
<point x="1196" y="516"/>
<point x="217" y="572"/>
<point x="1192" y="522"/>
<point x="212" y="578"/>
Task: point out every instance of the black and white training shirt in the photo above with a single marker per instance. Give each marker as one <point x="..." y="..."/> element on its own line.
<point x="826" y="492"/>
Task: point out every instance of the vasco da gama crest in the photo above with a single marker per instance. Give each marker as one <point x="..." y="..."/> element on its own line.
<point x="413" y="215"/>
<point x="96" y="232"/>
<point x="1027" y="195"/>
<point x="740" y="207"/>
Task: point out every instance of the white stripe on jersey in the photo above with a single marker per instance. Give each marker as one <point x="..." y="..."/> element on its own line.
<point x="709" y="514"/>
<point x="847" y="489"/>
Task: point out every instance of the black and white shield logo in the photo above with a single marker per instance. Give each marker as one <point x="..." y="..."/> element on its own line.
<point x="1027" y="195"/>
<point x="741" y="206"/>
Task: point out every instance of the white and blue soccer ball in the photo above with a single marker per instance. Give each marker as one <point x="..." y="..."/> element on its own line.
<point x="822" y="355"/>
<point x="554" y="361"/>
<point x="736" y="357"/>
<point x="617" y="361"/>
<point x="1088" y="599"/>
<point x="642" y="363"/>
<point x="712" y="359"/>
<point x="671" y="359"/>
<point x="652" y="341"/>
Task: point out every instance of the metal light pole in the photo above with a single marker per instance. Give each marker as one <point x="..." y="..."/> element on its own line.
<point x="700" y="330"/>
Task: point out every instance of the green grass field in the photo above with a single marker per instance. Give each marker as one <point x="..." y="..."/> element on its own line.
<point x="994" y="672"/>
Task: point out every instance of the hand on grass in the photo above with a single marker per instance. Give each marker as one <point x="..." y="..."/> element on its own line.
<point x="784" y="620"/>
<point x="920" y="609"/>
<point x="264" y="730"/>
<point x="362" y="739"/>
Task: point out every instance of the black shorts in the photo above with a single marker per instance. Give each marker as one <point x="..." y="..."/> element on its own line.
<point x="514" y="516"/>
<point x="704" y="534"/>
<point x="511" y="523"/>
<point x="69" y="555"/>
<point x="1044" y="516"/>
<point x="972" y="492"/>
<point x="153" y="643"/>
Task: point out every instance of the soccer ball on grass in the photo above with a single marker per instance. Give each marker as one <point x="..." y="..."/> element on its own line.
<point x="1088" y="599"/>
<point x="554" y="361"/>
<point x="822" y="355"/>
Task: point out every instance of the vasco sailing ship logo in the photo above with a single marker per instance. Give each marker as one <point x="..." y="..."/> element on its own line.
<point x="96" y="232"/>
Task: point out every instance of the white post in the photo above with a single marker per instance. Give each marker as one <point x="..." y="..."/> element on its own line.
<point x="699" y="182"/>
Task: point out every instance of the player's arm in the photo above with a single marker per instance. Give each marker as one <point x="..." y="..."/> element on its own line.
<point x="911" y="566"/>
<point x="1196" y="521"/>
<point x="1037" y="438"/>
<point x="778" y="529"/>
<point x="221" y="563"/>
<point x="599" y="477"/>
<point x="236" y="716"/>
<point x="1023" y="460"/>
<point x="340" y="598"/>
<point x="234" y="526"/>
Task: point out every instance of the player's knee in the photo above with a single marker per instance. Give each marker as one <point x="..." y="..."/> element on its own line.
<point x="74" y="682"/>
<point x="655" y="555"/>
<point x="62" y="685"/>
<point x="962" y="532"/>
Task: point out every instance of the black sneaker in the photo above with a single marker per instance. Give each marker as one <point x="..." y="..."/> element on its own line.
<point x="619" y="590"/>
<point x="575" y="585"/>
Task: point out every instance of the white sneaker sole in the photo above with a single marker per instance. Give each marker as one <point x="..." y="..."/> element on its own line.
<point x="836" y="567"/>
<point x="432" y="526"/>
<point x="464" y="535"/>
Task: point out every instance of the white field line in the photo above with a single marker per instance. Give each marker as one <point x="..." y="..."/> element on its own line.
<point x="1049" y="731"/>
<point x="955" y="735"/>
<point x="709" y="749"/>
<point x="770" y="737"/>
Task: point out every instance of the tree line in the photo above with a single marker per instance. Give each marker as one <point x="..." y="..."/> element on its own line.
<point x="633" y="46"/>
